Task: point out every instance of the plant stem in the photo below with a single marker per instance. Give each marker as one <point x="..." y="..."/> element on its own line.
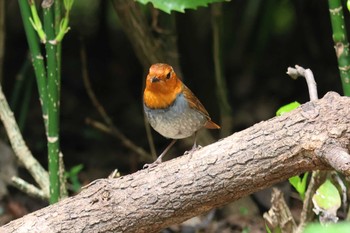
<point x="58" y="17"/>
<point x="341" y="43"/>
<point x="58" y="13"/>
<point x="20" y="148"/>
<point x="53" y="104"/>
<point x="37" y="58"/>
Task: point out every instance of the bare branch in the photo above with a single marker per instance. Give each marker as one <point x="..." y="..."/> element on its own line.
<point x="337" y="157"/>
<point x="279" y="214"/>
<point x="243" y="163"/>
<point x="309" y="77"/>
<point x="21" y="150"/>
<point x="25" y="187"/>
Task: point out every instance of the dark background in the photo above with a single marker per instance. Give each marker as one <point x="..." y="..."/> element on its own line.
<point x="261" y="39"/>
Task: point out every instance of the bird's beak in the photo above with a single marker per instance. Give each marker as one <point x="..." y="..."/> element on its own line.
<point x="154" y="79"/>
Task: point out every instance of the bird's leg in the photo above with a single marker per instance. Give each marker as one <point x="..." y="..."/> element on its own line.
<point x="160" y="157"/>
<point x="194" y="147"/>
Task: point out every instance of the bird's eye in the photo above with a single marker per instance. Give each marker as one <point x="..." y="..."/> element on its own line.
<point x="168" y="75"/>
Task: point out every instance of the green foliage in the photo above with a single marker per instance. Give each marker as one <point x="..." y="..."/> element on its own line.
<point x="299" y="184"/>
<point x="72" y="176"/>
<point x="343" y="227"/>
<point x="36" y="23"/>
<point x="327" y="200"/>
<point x="287" y="108"/>
<point x="178" y="5"/>
<point x="267" y="228"/>
<point x="64" y="28"/>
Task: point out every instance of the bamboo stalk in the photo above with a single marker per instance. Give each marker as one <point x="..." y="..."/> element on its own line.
<point x="52" y="103"/>
<point x="37" y="58"/>
<point x="341" y="43"/>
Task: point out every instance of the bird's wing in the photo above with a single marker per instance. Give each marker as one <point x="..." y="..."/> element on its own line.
<point x="194" y="103"/>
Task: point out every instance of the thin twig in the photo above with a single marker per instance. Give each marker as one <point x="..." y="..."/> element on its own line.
<point x="343" y="189"/>
<point x="20" y="148"/>
<point x="25" y="187"/>
<point x="110" y="128"/>
<point x="144" y="156"/>
<point x="298" y="71"/>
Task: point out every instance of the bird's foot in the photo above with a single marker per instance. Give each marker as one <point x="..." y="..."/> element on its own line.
<point x="194" y="148"/>
<point x="152" y="165"/>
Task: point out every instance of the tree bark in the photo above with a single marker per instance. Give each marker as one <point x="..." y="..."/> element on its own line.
<point x="245" y="162"/>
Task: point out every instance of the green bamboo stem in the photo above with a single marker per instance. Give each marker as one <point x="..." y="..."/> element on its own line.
<point x="58" y="17"/>
<point x="221" y="88"/>
<point x="52" y="104"/>
<point x="37" y="58"/>
<point x="341" y="43"/>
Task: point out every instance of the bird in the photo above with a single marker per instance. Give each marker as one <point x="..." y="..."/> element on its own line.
<point x="171" y="108"/>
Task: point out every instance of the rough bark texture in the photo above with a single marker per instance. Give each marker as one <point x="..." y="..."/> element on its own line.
<point x="243" y="163"/>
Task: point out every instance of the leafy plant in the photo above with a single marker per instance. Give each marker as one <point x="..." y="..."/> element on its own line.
<point x="178" y="5"/>
<point x="47" y="72"/>
<point x="287" y="108"/>
<point x="326" y="202"/>
<point x="299" y="184"/>
<point x="72" y="176"/>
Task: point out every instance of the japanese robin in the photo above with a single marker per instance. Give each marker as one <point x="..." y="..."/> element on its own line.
<point x="171" y="108"/>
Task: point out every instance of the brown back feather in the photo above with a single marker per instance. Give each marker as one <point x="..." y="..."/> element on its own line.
<point x="194" y="103"/>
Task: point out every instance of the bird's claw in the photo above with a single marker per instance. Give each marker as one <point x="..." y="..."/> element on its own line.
<point x="197" y="147"/>
<point x="152" y="165"/>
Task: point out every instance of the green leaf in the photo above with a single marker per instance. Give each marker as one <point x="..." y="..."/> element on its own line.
<point x="299" y="184"/>
<point x="348" y="5"/>
<point x="294" y="181"/>
<point x="178" y="5"/>
<point x="287" y="108"/>
<point x="68" y="4"/>
<point x="72" y="175"/>
<point x="327" y="201"/>
<point x="267" y="228"/>
<point x="343" y="227"/>
<point x="76" y="169"/>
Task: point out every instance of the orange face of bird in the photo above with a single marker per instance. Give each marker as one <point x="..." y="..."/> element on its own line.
<point x="162" y="86"/>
